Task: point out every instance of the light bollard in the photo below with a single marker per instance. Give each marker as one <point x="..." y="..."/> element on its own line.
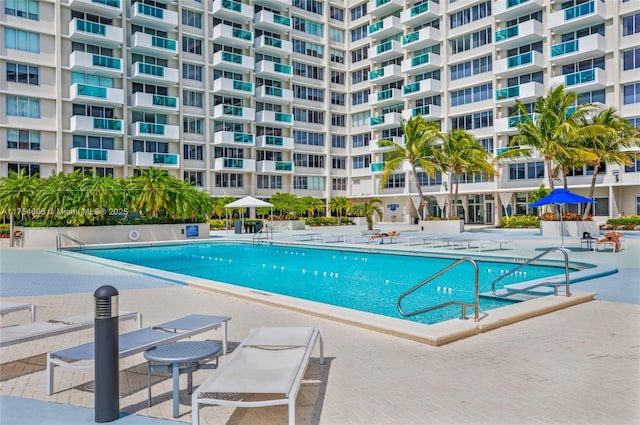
<point x="107" y="367"/>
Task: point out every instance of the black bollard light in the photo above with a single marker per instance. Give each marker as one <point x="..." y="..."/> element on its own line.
<point x="107" y="367"/>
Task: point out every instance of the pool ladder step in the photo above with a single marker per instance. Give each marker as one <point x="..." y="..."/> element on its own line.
<point x="502" y="293"/>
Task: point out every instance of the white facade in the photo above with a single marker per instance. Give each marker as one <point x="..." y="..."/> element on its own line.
<point x="266" y="96"/>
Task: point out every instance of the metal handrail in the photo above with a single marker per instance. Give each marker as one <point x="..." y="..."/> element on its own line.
<point x="555" y="285"/>
<point x="464" y="305"/>
<point x="59" y="237"/>
<point x="262" y="232"/>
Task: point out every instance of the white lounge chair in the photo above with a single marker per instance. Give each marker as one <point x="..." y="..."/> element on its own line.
<point x="270" y="361"/>
<point x="8" y="307"/>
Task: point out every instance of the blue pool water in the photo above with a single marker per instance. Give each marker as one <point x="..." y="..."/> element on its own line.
<point x="363" y="281"/>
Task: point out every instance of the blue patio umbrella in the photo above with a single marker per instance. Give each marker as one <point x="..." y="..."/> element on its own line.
<point x="559" y="197"/>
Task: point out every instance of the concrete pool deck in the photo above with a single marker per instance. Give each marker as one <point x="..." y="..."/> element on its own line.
<point x="577" y="365"/>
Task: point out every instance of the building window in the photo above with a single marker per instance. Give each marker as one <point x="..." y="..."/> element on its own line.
<point x="358" y="11"/>
<point x="310" y="27"/>
<point x="308" y="183"/>
<point x="22" y="8"/>
<point x="307" y="48"/>
<point x="336" y="13"/>
<point x="229" y="180"/>
<point x="360" y="32"/>
<point x="93" y="142"/>
<point x="310" y="161"/>
<point x="526" y="171"/>
<point x="337" y="77"/>
<point x="473" y="121"/>
<point x="192" y="98"/>
<point x="99" y="171"/>
<point x="338" y="141"/>
<point x="360" y="54"/>
<point x="308" y="138"/>
<point x="362" y="161"/>
<point x="308" y="71"/>
<point x="472" y="94"/>
<point x="30" y="170"/>
<point x="360" y="140"/>
<point x="631" y="24"/>
<point x="470" y="14"/>
<point x="337" y="56"/>
<point x="339" y="184"/>
<point x="360" y="119"/>
<point x="192" y="45"/>
<point x="22" y="106"/>
<point x="396" y="181"/>
<point x="193" y="125"/>
<point x="24" y="74"/>
<point x="631" y="94"/>
<point x="192" y="72"/>
<point x="269" y="182"/>
<point x="339" y="162"/>
<point x="338" y="120"/>
<point x="337" y="98"/>
<point x="193" y="152"/>
<point x="425" y="180"/>
<point x="23" y="139"/>
<point x="336" y="35"/>
<point x="306" y="115"/>
<point x="360" y="97"/>
<point x="196" y="178"/>
<point x="634" y="167"/>
<point x="309" y="5"/>
<point x="601" y="207"/>
<point x="21" y="40"/>
<point x="469" y="68"/>
<point x="191" y="18"/>
<point x="470" y="41"/>
<point x="308" y="93"/>
<point x="631" y="59"/>
<point x="360" y="76"/>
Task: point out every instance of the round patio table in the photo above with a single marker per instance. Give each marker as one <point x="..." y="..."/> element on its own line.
<point x="180" y="357"/>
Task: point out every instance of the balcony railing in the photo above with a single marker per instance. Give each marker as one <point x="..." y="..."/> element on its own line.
<point x="154" y="12"/>
<point x="274" y="141"/>
<point x="421" y="110"/>
<point x="167" y="101"/>
<point x="285" y="69"/>
<point x="506" y="33"/>
<point x="233" y="163"/>
<point x="113" y="3"/>
<point x="581" y="77"/>
<point x="91" y="27"/>
<point x="519" y="60"/>
<point x="150" y="128"/>
<point x="579" y="10"/>
<point x="282" y="20"/>
<point x="273" y="91"/>
<point x="232" y="57"/>
<point x="165" y="158"/>
<point x="564" y="48"/>
<point x="232" y="5"/>
<point x="148" y="69"/>
<point x="280" y="117"/>
<point x="411" y="88"/>
<point x="284" y="166"/>
<point x="375" y="27"/>
<point x="385" y="94"/>
<point x="420" y="60"/>
<point x="232" y="110"/>
<point x="512" y="3"/>
<point x="509" y="92"/>
<point x="376" y="120"/>
<point x="421" y="8"/>
<point x="107" y="124"/>
<point x="384" y="47"/>
<point x="87" y="154"/>
<point x="243" y="138"/>
<point x="242" y="85"/>
<point x="410" y="38"/>
<point x="106" y="61"/>
<point x="163" y="43"/>
<point x="93" y="91"/>
<point x="517" y="119"/>
<point x="377" y="166"/>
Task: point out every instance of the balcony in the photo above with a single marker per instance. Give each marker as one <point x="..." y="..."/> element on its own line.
<point x="385" y="28"/>
<point x="524" y="63"/>
<point x="274" y="4"/>
<point x="527" y="32"/>
<point x="389" y="120"/>
<point x="230" y="138"/>
<point x="228" y="35"/>
<point x="274" y="143"/>
<point x="155" y="74"/>
<point x="154" y="159"/>
<point x="428" y="112"/>
<point x="423" y="88"/>
<point x="232" y="11"/>
<point x="153" y="45"/>
<point x="276" y="119"/>
<point x="421" y="64"/>
<point x="378" y="8"/>
<point x="151" y="16"/>
<point x="376" y="167"/>
<point x="107" y="8"/>
<point x="97" y="156"/>
<point x="277" y="167"/>
<point x="94" y="33"/>
<point x="385" y="74"/>
<point x="234" y="113"/>
<point x="273" y="94"/>
<point x="233" y="62"/>
<point x="374" y="148"/>
<point x="591" y="46"/>
<point x="576" y="17"/>
<point x="509" y="125"/>
<point x="273" y="46"/>
<point x="84" y="93"/>
<point x="229" y="87"/>
<point x="385" y="51"/>
<point x="385" y="97"/>
<point x="96" y="126"/>
<point x="95" y="64"/>
<point x="269" y="21"/>
<point x="234" y="164"/>
<point x="420" y="14"/>
<point x="420" y="39"/>
<point x="154" y="102"/>
<point x="268" y="69"/>
<point x="505" y="10"/>
<point x="155" y="131"/>
<point x="526" y="92"/>
<point x="587" y="80"/>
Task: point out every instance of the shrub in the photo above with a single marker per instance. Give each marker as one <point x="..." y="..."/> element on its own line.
<point x="548" y="216"/>
<point x="4" y="230"/>
<point x="217" y="224"/>
<point x="326" y="221"/>
<point x="520" y="221"/>
<point x="629" y="222"/>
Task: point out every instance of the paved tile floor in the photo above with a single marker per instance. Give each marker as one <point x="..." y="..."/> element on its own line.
<point x="575" y="366"/>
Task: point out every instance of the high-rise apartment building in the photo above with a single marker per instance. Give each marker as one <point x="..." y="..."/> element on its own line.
<point x="266" y="96"/>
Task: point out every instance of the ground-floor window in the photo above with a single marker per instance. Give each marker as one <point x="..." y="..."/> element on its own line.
<point x="30" y="170"/>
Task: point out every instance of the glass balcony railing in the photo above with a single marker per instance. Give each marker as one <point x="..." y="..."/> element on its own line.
<point x="231" y="57"/>
<point x="233" y="163"/>
<point x="154" y="12"/>
<point x="508" y="148"/>
<point x="579" y="10"/>
<point x="107" y="124"/>
<point x="410" y="38"/>
<point x="106" y="61"/>
<point x="376" y="120"/>
<point x="284" y="69"/>
<point x="166" y="101"/>
<point x="112" y="3"/>
<point x="384" y="95"/>
<point x="519" y="60"/>
<point x="282" y="20"/>
<point x="93" y="91"/>
<point x="148" y="69"/>
<point x="273" y="91"/>
<point x="509" y="92"/>
<point x="165" y="158"/>
<point x="164" y="43"/>
<point x="150" y="128"/>
<point x="381" y="2"/>
<point x="242" y="86"/>
<point x="581" y="77"/>
<point x="410" y="88"/>
<point x="571" y="110"/>
<point x="564" y="48"/>
<point x="232" y="110"/>
<point x="507" y="33"/>
<point x="272" y="41"/>
<point x="232" y="5"/>
<point x="384" y="47"/>
<point x="377" y="166"/>
<point x="421" y="110"/>
<point x="517" y="119"/>
<point x="512" y="3"/>
<point x="243" y="138"/>
<point x="91" y="27"/>
<point x="242" y="34"/>
<point x="376" y="27"/>
<point x="87" y="154"/>
<point x="280" y="117"/>
<point x="274" y="141"/>
<point x="284" y="166"/>
<point x="421" y="8"/>
<point x="420" y="60"/>
<point x="376" y="73"/>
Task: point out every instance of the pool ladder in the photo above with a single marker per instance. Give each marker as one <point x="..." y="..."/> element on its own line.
<point x="59" y="238"/>
<point x="475" y="305"/>
<point x="257" y="237"/>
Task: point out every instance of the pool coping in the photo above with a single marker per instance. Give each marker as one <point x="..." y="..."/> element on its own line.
<point x="431" y="334"/>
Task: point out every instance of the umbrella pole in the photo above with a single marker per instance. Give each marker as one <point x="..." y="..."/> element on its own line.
<point x="561" y="227"/>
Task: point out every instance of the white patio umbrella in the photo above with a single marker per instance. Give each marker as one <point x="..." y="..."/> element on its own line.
<point x="248" y="202"/>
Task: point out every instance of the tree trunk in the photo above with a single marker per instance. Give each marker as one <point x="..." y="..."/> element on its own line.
<point x="422" y="198"/>
<point x="592" y="189"/>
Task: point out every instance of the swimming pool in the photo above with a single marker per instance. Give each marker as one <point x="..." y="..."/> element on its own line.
<point x="365" y="281"/>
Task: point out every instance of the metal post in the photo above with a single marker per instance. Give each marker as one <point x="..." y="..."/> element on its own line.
<point x="106" y="368"/>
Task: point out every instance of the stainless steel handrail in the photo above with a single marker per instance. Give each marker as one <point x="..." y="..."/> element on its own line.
<point x="59" y="237"/>
<point x="262" y="232"/>
<point x="464" y="305"/>
<point x="555" y="285"/>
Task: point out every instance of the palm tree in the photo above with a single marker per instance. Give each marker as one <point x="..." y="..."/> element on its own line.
<point x="340" y="204"/>
<point x="102" y="194"/>
<point x="186" y="201"/>
<point x="368" y="209"/>
<point x="284" y="203"/>
<point x="63" y="198"/>
<point x="218" y="208"/>
<point x="310" y="205"/>
<point x="16" y="192"/>
<point x="610" y="147"/>
<point x="461" y="153"/>
<point x="418" y="151"/>
<point x="150" y="191"/>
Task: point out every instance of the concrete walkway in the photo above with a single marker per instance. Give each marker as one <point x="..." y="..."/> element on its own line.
<point x="574" y="366"/>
